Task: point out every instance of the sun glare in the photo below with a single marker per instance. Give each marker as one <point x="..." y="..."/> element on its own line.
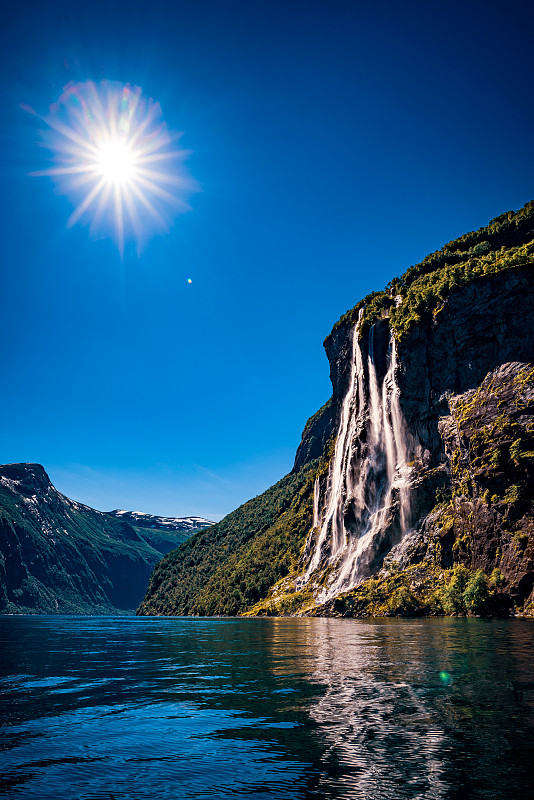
<point x="115" y="158"/>
<point x="116" y="162"/>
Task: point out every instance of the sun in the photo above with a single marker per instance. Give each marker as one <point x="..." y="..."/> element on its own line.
<point x="116" y="159"/>
<point x="116" y="162"/>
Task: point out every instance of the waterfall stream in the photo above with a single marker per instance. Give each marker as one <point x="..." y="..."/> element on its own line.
<point x="362" y="509"/>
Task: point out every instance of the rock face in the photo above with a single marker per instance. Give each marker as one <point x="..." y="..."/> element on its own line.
<point x="488" y="438"/>
<point x="467" y="387"/>
<point x="479" y="327"/>
<point x="59" y="556"/>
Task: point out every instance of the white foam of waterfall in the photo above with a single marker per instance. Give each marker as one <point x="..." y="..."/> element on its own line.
<point x="316" y="503"/>
<point x="332" y="525"/>
<point x="366" y="503"/>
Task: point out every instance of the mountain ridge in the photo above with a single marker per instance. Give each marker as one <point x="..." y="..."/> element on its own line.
<point x="163" y="533"/>
<point x="60" y="556"/>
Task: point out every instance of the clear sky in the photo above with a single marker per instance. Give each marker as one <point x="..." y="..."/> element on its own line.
<point x="333" y="144"/>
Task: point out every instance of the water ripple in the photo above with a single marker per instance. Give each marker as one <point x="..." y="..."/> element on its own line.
<point x="126" y="708"/>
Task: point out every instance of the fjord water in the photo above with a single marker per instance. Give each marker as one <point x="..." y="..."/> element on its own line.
<point x="125" y="707"/>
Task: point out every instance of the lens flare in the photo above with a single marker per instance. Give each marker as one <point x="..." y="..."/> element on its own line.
<point x="116" y="160"/>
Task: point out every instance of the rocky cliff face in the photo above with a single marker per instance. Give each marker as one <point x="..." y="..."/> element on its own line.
<point x="478" y="328"/>
<point x="59" y="556"/>
<point x="467" y="387"/>
<point x="465" y="383"/>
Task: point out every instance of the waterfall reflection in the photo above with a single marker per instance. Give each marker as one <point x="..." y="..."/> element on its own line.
<point x="386" y="739"/>
<point x="416" y="709"/>
<point x="380" y="735"/>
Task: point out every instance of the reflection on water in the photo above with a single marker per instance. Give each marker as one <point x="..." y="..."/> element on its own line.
<point x="286" y="708"/>
<point x="430" y="708"/>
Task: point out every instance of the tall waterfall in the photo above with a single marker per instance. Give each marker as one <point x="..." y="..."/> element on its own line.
<point x="362" y="509"/>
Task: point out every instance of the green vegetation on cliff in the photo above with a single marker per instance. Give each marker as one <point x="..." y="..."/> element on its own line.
<point x="497" y="422"/>
<point x="423" y="589"/>
<point x="487" y="519"/>
<point x="506" y="242"/>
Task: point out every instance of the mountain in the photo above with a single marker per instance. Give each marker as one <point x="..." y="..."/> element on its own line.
<point x="412" y="490"/>
<point x="163" y="533"/>
<point x="60" y="556"/>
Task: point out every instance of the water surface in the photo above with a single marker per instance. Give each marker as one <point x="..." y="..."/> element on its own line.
<point x="124" y="707"/>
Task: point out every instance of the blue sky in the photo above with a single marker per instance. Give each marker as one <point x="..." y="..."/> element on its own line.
<point x="333" y="145"/>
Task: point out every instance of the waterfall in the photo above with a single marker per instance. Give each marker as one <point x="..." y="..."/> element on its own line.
<point x="366" y="503"/>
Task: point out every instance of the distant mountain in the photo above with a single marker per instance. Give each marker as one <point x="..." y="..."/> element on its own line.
<point x="60" y="556"/>
<point x="163" y="533"/>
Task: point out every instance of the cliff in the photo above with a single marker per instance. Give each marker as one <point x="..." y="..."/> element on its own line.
<point x="466" y="394"/>
<point x="413" y="486"/>
<point x="59" y="556"/>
